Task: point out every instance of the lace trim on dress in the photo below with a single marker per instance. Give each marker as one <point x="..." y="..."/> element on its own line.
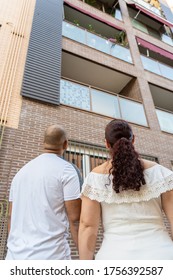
<point x="146" y="193"/>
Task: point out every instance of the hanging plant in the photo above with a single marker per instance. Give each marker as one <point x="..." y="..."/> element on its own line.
<point x="119" y="38"/>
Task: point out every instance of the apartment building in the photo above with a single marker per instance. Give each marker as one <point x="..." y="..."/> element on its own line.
<point x="80" y="63"/>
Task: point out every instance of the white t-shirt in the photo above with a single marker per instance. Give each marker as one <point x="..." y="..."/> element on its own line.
<point x="39" y="224"/>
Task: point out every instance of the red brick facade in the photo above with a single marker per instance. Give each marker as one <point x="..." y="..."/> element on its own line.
<point x="21" y="144"/>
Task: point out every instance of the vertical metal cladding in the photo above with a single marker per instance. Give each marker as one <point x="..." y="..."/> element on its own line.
<point x="42" y="73"/>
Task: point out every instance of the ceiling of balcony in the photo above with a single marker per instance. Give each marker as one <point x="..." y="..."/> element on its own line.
<point x="134" y="13"/>
<point x="93" y="74"/>
<point x="162" y="98"/>
<point x="109" y="2"/>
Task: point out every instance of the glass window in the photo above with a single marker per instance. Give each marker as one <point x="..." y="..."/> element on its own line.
<point x="153" y="32"/>
<point x="105" y="104"/>
<point x="132" y="111"/>
<point x="118" y="14"/>
<point x="75" y="95"/>
<point x="139" y="25"/>
<point x="165" y="120"/>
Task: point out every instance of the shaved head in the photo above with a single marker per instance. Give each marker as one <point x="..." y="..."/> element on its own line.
<point x="54" y="137"/>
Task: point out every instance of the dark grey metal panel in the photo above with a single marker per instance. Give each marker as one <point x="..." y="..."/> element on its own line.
<point x="42" y="73"/>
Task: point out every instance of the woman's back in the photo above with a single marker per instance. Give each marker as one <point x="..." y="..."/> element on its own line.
<point x="132" y="220"/>
<point x="130" y="194"/>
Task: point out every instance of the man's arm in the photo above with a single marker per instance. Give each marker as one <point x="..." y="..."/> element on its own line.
<point x="9" y="216"/>
<point x="73" y="209"/>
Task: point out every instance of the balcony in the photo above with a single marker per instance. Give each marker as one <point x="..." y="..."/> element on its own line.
<point x="95" y="41"/>
<point x="97" y="101"/>
<point x="163" y="101"/>
<point x="155" y="9"/>
<point x="150" y="26"/>
<point x="157" y="67"/>
<point x="107" y="6"/>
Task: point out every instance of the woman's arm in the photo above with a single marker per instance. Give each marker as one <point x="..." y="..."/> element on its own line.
<point x="88" y="228"/>
<point x="167" y="204"/>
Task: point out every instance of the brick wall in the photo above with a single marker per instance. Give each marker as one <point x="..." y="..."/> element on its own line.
<point x="21" y="145"/>
<point x="28" y="119"/>
<point x="132" y="90"/>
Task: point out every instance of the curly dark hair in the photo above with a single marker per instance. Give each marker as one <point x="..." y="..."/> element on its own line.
<point x="127" y="169"/>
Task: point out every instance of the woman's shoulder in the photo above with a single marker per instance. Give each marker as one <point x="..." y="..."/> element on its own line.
<point x="148" y="164"/>
<point x="102" y="168"/>
<point x="153" y="168"/>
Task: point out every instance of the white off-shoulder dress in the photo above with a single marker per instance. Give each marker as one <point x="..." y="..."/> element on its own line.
<point x="132" y="221"/>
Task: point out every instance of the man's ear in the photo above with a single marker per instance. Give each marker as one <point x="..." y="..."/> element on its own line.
<point x="65" y="145"/>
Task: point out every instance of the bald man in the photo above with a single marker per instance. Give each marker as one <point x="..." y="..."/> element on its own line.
<point x="44" y="203"/>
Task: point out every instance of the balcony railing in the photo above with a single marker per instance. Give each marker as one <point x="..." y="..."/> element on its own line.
<point x="97" y="101"/>
<point x="165" y="120"/>
<point x="154" y="33"/>
<point x="157" y="67"/>
<point x="92" y="40"/>
<point x="149" y="7"/>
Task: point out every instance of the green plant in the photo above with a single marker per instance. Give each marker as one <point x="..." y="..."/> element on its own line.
<point x="121" y="38"/>
<point x="76" y="21"/>
<point x="90" y="28"/>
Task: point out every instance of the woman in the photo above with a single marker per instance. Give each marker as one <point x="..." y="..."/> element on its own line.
<point x="129" y="194"/>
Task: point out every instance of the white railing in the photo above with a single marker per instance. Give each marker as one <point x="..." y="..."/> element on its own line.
<point x="165" y="120"/>
<point x="157" y="67"/>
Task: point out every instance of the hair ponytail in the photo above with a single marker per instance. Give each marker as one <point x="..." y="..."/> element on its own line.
<point x="127" y="169"/>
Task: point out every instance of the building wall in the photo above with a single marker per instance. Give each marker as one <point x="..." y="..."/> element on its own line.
<point x="27" y="119"/>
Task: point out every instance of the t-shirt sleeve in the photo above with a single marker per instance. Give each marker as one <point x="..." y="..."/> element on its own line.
<point x="71" y="184"/>
<point x="12" y="190"/>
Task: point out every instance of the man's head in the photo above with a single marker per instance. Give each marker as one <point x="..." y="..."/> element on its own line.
<point x="55" y="139"/>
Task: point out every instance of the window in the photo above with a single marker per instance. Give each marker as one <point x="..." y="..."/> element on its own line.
<point x="85" y="156"/>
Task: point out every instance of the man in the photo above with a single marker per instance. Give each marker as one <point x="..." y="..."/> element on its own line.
<point x="44" y="202"/>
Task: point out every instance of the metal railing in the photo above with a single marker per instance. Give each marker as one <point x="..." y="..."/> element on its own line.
<point x="86" y="156"/>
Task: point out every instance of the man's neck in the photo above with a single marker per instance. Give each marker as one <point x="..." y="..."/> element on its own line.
<point x="57" y="152"/>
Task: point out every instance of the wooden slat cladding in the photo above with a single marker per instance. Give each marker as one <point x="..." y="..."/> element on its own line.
<point x="10" y="67"/>
<point x="42" y="73"/>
